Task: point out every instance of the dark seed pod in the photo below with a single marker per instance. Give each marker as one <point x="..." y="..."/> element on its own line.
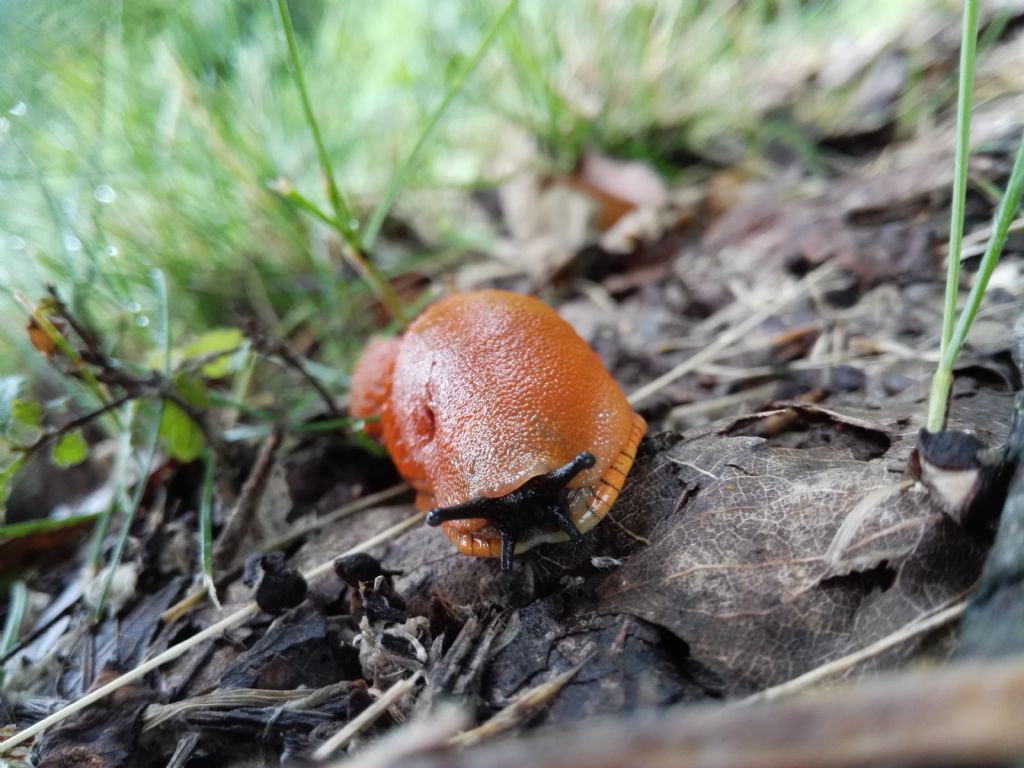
<point x="278" y="586"/>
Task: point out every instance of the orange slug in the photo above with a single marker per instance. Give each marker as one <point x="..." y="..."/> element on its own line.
<point x="503" y="420"/>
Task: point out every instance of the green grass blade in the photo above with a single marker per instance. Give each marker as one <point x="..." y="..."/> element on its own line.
<point x="376" y="220"/>
<point x="341" y="210"/>
<point x="960" y="161"/>
<point x="119" y="477"/>
<point x="44" y="525"/>
<point x="344" y="221"/>
<point x="163" y="338"/>
<point x="163" y="331"/>
<point x="131" y="510"/>
<point x="17" y="603"/>
<point x="943" y="378"/>
<point x="206" y="528"/>
<point x="1008" y="206"/>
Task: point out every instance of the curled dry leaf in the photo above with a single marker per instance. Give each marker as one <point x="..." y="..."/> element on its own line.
<point x="299" y="649"/>
<point x="278" y="587"/>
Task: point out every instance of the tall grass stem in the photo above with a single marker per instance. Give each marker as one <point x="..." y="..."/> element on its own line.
<point x="968" y="47"/>
<point x="343" y="220"/>
<point x="376" y="220"/>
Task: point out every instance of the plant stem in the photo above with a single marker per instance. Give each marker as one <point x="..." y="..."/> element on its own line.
<point x="338" y="204"/>
<point x="343" y="220"/>
<point x="943" y="380"/>
<point x="163" y="338"/>
<point x="1004" y="218"/>
<point x="48" y="437"/>
<point x="968" y="42"/>
<point x="206" y="528"/>
<point x="15" y="612"/>
<point x="372" y="228"/>
<point x="119" y="477"/>
<point x="16" y="605"/>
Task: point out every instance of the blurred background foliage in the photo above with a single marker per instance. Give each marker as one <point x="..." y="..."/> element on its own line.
<point x="151" y="133"/>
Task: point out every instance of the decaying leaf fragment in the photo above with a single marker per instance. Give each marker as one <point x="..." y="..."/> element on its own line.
<point x="102" y="736"/>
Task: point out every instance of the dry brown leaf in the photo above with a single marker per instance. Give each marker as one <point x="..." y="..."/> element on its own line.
<point x="618" y="186"/>
<point x="103" y="736"/>
<point x="737" y="568"/>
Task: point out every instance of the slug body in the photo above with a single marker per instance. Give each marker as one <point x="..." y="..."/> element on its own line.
<point x="503" y="420"/>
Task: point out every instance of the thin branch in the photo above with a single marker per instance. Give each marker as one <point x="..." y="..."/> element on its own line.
<point x="243" y="515"/>
<point x="48" y="437"/>
<point x="367" y="717"/>
<point x="965" y="714"/>
<point x="92" y="343"/>
<point x="274" y="346"/>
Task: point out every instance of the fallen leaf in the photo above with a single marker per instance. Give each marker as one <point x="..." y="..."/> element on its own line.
<point x="548" y="222"/>
<point x="633" y="663"/>
<point x="737" y="569"/>
<point x="180" y="435"/>
<point x="69" y="450"/>
<point x="210" y="346"/>
<point x="39" y="541"/>
<point x="102" y="736"/>
<point x="617" y="186"/>
<point x="299" y="649"/>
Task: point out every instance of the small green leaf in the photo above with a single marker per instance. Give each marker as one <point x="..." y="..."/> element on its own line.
<point x="69" y="450"/>
<point x="10" y="388"/>
<point x="225" y="340"/>
<point x="27" y="412"/>
<point x="181" y="437"/>
<point x="46" y="525"/>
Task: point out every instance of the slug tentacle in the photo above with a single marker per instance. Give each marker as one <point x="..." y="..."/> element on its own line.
<point x="541" y="502"/>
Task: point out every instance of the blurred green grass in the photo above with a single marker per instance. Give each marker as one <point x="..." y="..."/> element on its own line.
<point x="148" y="134"/>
